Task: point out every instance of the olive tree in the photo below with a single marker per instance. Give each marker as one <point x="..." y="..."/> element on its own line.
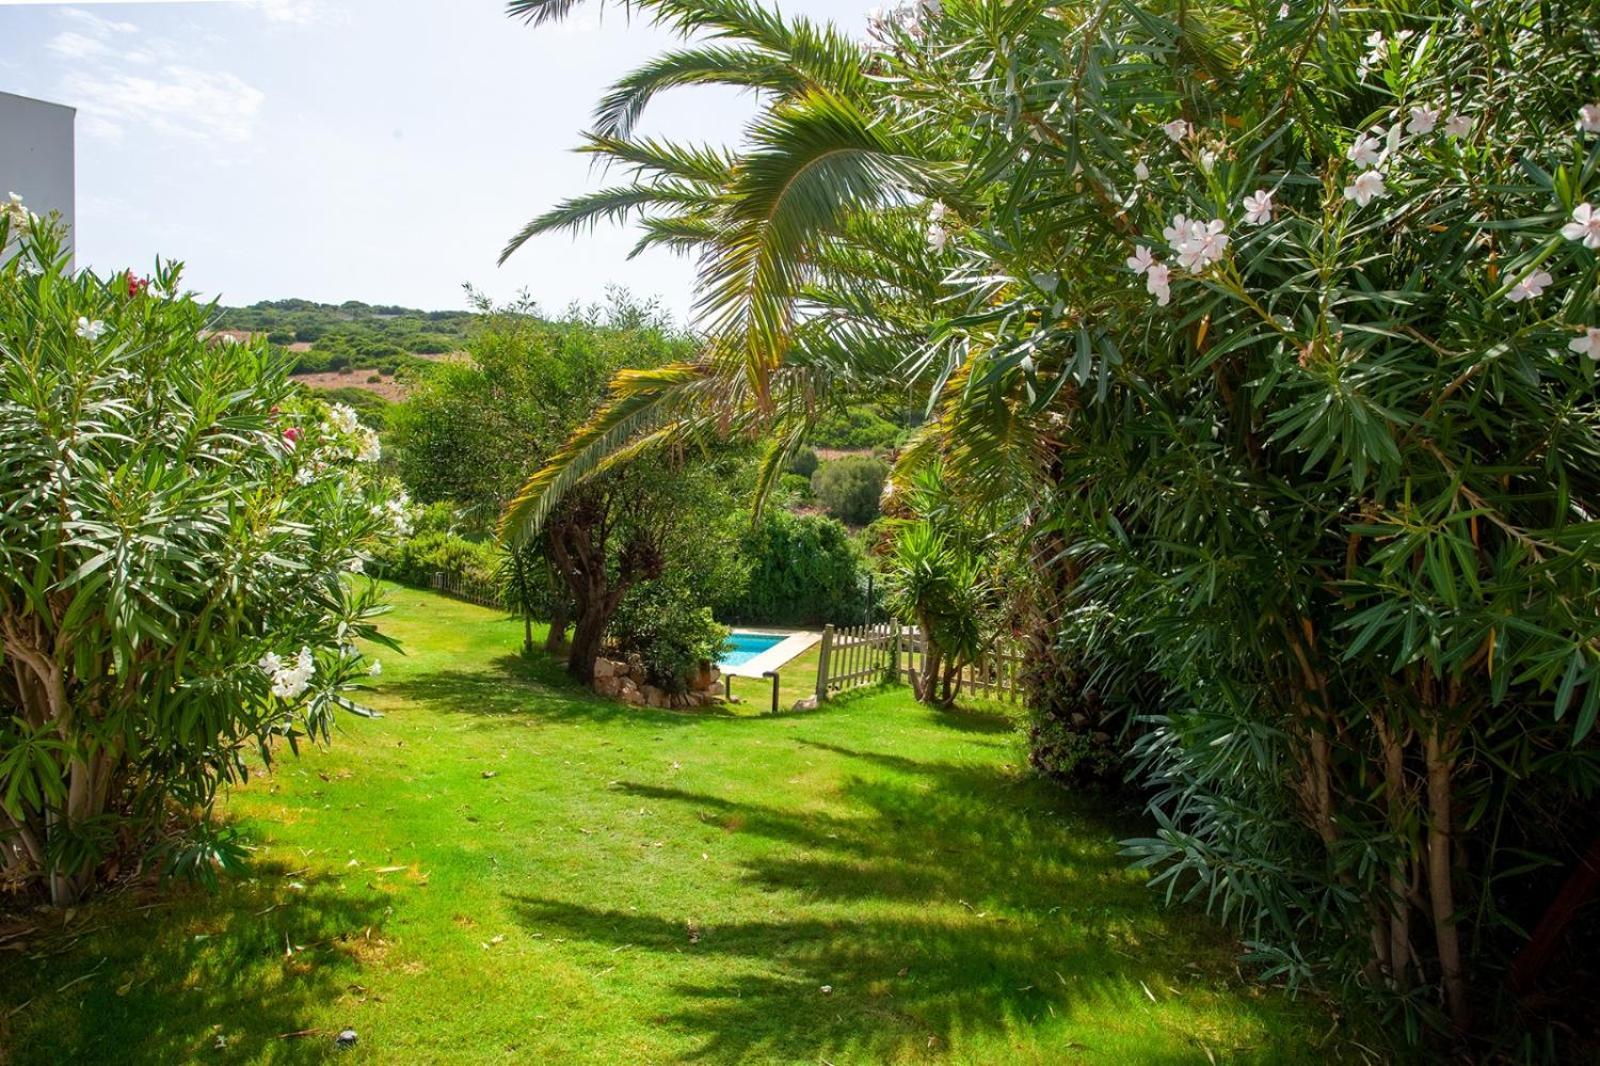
<point x="181" y="539"/>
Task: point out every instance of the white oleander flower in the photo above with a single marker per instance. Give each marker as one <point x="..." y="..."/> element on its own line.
<point x="1366" y="152"/>
<point x="1141" y="260"/>
<point x="1177" y="129"/>
<point x="1423" y="120"/>
<point x="342" y="417"/>
<point x="1531" y="287"/>
<point x="1258" y="208"/>
<point x="1589" y="118"/>
<point x="1588" y="343"/>
<point x="938" y="237"/>
<point x="1584" y="227"/>
<point x="1140" y="171"/>
<point x="270" y="663"/>
<point x="91" y="331"/>
<point x="1283" y="11"/>
<point x="375" y="669"/>
<point x="1457" y="126"/>
<point x="1367" y="187"/>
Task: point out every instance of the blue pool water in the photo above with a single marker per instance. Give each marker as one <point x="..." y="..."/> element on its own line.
<point x="742" y="647"/>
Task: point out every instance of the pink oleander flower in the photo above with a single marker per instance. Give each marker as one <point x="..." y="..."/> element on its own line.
<point x="1588" y="343"/>
<point x="1141" y="260"/>
<point x="1367" y="187"/>
<point x="1156" y="282"/>
<point x="1531" y="287"/>
<point x="1584" y="227"/>
<point x="1423" y="120"/>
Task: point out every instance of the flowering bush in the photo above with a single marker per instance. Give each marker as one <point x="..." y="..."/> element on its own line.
<point x="1275" y="325"/>
<point x="180" y="539"/>
<point x="1300" y="304"/>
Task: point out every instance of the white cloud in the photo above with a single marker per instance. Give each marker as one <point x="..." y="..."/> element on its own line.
<point x="178" y="101"/>
<point x="72" y="45"/>
<point x="295" y="12"/>
<point x="122" y="78"/>
<point x="94" y="24"/>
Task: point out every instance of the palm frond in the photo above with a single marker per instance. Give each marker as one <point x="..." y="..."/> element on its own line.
<point x="641" y="402"/>
<point x="812" y="163"/>
<point x="647" y="156"/>
<point x="740" y="67"/>
<point x="611" y="205"/>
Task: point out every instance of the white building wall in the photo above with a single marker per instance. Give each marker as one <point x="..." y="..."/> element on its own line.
<point x="36" y="156"/>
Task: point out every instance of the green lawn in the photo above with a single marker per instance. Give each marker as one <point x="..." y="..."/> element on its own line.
<point x="502" y="868"/>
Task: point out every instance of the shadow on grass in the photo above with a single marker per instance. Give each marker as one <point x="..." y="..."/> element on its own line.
<point x="949" y="902"/>
<point x="149" y="981"/>
<point x="535" y="687"/>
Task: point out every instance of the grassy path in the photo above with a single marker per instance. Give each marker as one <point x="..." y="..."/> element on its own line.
<point x="502" y="869"/>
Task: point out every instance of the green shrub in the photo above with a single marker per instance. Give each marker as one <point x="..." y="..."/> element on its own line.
<point x="416" y="559"/>
<point x="795" y="487"/>
<point x="803" y="570"/>
<point x="665" y="624"/>
<point x="850" y="488"/>
<point x="804" y="462"/>
<point x="855" y="427"/>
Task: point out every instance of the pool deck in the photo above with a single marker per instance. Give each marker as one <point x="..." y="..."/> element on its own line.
<point x="794" y="643"/>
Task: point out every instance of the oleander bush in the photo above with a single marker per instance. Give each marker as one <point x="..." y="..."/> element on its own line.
<point x="181" y="542"/>
<point x="1274" y="327"/>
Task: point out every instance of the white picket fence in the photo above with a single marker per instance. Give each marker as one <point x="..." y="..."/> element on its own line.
<point x="857" y="656"/>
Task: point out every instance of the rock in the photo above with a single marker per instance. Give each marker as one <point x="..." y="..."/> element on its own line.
<point x="609" y="687"/>
<point x="628" y="690"/>
<point x="346" y="1038"/>
<point x="653" y="697"/>
<point x="604" y="668"/>
<point x="807" y="704"/>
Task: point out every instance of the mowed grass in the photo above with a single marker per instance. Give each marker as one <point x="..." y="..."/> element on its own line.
<point x="505" y="869"/>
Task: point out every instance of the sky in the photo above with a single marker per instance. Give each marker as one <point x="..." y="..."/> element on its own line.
<point x="375" y="150"/>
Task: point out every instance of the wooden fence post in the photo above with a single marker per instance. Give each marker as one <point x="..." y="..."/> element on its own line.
<point x="894" y="651"/>
<point x="822" y="663"/>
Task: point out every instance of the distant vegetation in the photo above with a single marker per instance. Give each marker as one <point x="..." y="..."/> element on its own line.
<point x="858" y="428"/>
<point x="353" y="334"/>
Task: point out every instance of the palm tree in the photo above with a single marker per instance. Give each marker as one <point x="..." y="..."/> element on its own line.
<point x="814" y="276"/>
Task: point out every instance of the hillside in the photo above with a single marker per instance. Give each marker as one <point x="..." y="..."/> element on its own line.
<point x="352" y="336"/>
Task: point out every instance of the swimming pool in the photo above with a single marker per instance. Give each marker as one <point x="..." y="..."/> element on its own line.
<point x="742" y="647"/>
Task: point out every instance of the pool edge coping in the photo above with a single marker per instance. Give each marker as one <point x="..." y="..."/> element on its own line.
<point x="794" y="644"/>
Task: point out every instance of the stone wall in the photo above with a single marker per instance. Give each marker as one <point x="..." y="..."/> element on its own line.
<point x="625" y="680"/>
